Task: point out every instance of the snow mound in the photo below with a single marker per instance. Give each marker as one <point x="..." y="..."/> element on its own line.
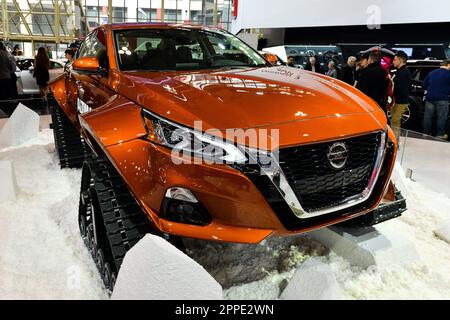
<point x="365" y="247"/>
<point x="155" y="269"/>
<point x="8" y="186"/>
<point x="444" y="232"/>
<point x="313" y="280"/>
<point x="23" y="125"/>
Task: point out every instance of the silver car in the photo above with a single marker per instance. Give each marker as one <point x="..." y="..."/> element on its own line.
<point x="26" y="83"/>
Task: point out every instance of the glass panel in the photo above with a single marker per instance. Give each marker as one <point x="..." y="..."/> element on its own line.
<point x="207" y="12"/>
<point x="224" y="13"/>
<point x="181" y="49"/>
<point x="425" y="159"/>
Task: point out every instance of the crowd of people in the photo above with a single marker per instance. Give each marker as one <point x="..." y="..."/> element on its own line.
<point x="41" y="66"/>
<point x="390" y="87"/>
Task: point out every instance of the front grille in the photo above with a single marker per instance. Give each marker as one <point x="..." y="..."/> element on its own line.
<point x="318" y="185"/>
<point x="289" y="220"/>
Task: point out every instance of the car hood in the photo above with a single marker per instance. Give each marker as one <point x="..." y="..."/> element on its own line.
<point x="247" y="98"/>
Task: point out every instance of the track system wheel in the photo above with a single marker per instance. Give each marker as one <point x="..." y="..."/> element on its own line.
<point x="107" y="276"/>
<point x="90" y="237"/>
<point x="113" y="279"/>
<point x="69" y="145"/>
<point x="112" y="213"/>
<point x="83" y="225"/>
<point x="100" y="260"/>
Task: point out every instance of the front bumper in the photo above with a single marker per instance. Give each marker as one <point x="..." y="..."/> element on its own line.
<point x="240" y="210"/>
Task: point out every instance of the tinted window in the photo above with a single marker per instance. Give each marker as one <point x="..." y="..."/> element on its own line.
<point x="419" y="73"/>
<point x="24" y="64"/>
<point x="95" y="42"/>
<point x="181" y="49"/>
<point x="55" y="65"/>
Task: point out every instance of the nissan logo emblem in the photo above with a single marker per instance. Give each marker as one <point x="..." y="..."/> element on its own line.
<point x="337" y="155"/>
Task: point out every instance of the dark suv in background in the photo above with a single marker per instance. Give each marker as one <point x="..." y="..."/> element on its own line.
<point x="413" y="118"/>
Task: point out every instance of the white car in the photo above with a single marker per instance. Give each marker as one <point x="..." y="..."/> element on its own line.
<point x="26" y="83"/>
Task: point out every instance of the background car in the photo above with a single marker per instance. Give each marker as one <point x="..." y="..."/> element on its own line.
<point x="26" y="83"/>
<point x="412" y="119"/>
<point x="301" y="54"/>
<point x="272" y="58"/>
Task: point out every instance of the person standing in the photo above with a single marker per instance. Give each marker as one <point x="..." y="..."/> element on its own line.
<point x="5" y="72"/>
<point x="332" y="72"/>
<point x="69" y="56"/>
<point x="49" y="52"/>
<point x="291" y="62"/>
<point x="361" y="64"/>
<point x="313" y="65"/>
<point x="41" y="66"/>
<point x="402" y="86"/>
<point x="16" y="51"/>
<point x="12" y="87"/>
<point x="373" y="80"/>
<point x="348" y="71"/>
<point x="437" y="86"/>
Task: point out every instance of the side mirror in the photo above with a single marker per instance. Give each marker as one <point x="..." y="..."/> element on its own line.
<point x="87" y="65"/>
<point x="273" y="59"/>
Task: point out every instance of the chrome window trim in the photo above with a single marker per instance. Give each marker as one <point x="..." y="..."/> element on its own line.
<point x="279" y="180"/>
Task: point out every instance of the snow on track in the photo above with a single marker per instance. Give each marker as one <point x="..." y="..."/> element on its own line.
<point x="43" y="257"/>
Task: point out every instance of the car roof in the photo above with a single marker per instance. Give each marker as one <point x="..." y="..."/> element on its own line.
<point x="426" y="62"/>
<point x="31" y="58"/>
<point x="156" y="25"/>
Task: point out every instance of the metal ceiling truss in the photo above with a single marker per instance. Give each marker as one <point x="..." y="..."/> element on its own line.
<point x="37" y="20"/>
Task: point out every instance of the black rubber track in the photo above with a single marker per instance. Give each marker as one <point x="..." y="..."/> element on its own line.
<point x="119" y="222"/>
<point x="71" y="148"/>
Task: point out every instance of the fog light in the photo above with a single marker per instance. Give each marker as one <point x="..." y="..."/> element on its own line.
<point x="180" y="205"/>
<point x="182" y="194"/>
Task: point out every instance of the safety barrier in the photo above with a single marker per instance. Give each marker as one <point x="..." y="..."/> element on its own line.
<point x="425" y="159"/>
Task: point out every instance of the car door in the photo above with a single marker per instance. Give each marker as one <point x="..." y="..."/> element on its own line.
<point x="29" y="84"/>
<point x="90" y="89"/>
<point x="56" y="69"/>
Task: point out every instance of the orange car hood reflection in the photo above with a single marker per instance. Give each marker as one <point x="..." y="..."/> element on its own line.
<point x="244" y="98"/>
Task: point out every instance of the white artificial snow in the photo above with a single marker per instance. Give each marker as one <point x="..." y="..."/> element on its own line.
<point x="428" y="278"/>
<point x="366" y="247"/>
<point x="8" y="185"/>
<point x="22" y="126"/>
<point x="313" y="280"/>
<point x="444" y="231"/>
<point x="42" y="255"/>
<point x="155" y="270"/>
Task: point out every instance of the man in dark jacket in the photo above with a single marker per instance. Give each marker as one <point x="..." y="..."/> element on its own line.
<point x="437" y="85"/>
<point x="372" y="80"/>
<point x="361" y="64"/>
<point x="313" y="65"/>
<point x="402" y="86"/>
<point x="348" y="72"/>
<point x="5" y="72"/>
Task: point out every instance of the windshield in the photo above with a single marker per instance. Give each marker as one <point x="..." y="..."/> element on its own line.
<point x="181" y="49"/>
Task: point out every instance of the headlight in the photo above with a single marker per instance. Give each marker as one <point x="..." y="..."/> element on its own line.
<point x="188" y="142"/>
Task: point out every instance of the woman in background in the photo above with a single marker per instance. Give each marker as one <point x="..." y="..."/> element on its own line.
<point x="41" y="66"/>
<point x="332" y="72"/>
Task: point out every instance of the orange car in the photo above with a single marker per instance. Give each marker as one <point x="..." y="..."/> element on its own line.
<point x="188" y="132"/>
